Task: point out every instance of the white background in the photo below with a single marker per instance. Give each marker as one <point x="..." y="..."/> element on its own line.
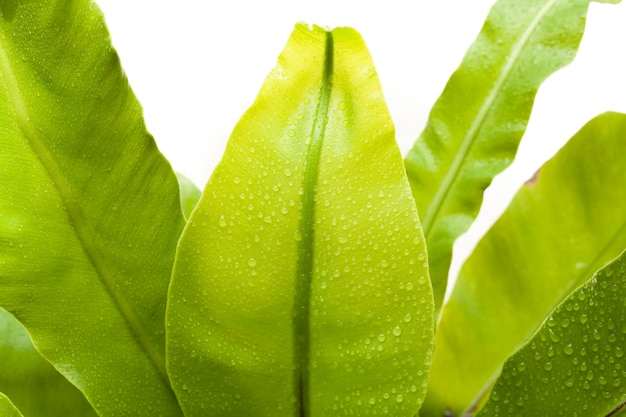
<point x="198" y="65"/>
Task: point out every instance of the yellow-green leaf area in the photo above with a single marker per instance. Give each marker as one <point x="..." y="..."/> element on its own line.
<point x="301" y="282"/>
<point x="559" y="229"/>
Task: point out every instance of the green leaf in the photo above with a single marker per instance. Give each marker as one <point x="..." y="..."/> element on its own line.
<point x="89" y="210"/>
<point x="7" y="409"/>
<point x="31" y="381"/>
<point x="189" y="194"/>
<point x="301" y="285"/>
<point x="575" y="364"/>
<point x="476" y="125"/>
<point x="555" y="234"/>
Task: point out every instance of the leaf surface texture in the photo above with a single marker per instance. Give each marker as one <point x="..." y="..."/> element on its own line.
<point x="475" y="126"/>
<point x="555" y="234"/>
<point x="89" y="209"/>
<point x="301" y="284"/>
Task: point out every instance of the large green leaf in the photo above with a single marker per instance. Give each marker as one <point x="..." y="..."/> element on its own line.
<point x="89" y="210"/>
<point x="555" y="234"/>
<point x="476" y="125"/>
<point x="301" y="286"/>
<point x="32" y="382"/>
<point x="7" y="409"/>
<point x="575" y="365"/>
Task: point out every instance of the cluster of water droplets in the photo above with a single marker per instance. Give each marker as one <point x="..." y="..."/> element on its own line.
<point x="575" y="364"/>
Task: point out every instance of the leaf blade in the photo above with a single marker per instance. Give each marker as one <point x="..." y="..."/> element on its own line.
<point x="475" y="126"/>
<point x="7" y="408"/>
<point x="90" y="208"/>
<point x="278" y="240"/>
<point x="513" y="280"/>
<point x="575" y="363"/>
<point x="32" y="382"/>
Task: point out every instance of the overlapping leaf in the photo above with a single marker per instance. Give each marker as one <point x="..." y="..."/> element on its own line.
<point x="301" y="285"/>
<point x="30" y="381"/>
<point x="575" y="365"/>
<point x="189" y="194"/>
<point x="475" y="127"/>
<point x="555" y="234"/>
<point x="89" y="209"/>
<point x="7" y="409"/>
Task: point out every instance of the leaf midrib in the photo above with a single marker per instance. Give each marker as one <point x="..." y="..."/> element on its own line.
<point x="472" y="134"/>
<point x="76" y="217"/>
<point x="304" y="272"/>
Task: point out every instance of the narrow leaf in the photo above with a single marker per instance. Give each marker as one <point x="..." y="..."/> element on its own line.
<point x="550" y="240"/>
<point x="89" y="209"/>
<point x="32" y="382"/>
<point x="7" y="409"/>
<point x="301" y="285"/>
<point x="476" y="125"/>
<point x="575" y="364"/>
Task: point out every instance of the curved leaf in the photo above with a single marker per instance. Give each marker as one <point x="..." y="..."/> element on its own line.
<point x="550" y="240"/>
<point x="189" y="194"/>
<point x="301" y="286"/>
<point x="31" y="381"/>
<point x="476" y="125"/>
<point x="89" y="209"/>
<point x="575" y="364"/>
<point x="7" y="409"/>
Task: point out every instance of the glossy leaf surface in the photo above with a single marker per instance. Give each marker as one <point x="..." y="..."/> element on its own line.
<point x="555" y="234"/>
<point x="89" y="209"/>
<point x="7" y="409"/>
<point x="476" y="125"/>
<point x="30" y="381"/>
<point x="301" y="285"/>
<point x="575" y="364"/>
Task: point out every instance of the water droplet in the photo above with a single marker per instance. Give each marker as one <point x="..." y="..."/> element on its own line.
<point x="291" y="133"/>
<point x="384" y="263"/>
<point x="619" y="352"/>
<point x="252" y="262"/>
<point x="568" y="349"/>
<point x="323" y="285"/>
<point x="553" y="336"/>
<point x="372" y="400"/>
<point x="382" y="337"/>
<point x="547" y="366"/>
<point x="407" y="318"/>
<point x="399" y="398"/>
<point x="297" y="235"/>
<point x="222" y="222"/>
<point x="397" y="331"/>
<point x="287" y="172"/>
